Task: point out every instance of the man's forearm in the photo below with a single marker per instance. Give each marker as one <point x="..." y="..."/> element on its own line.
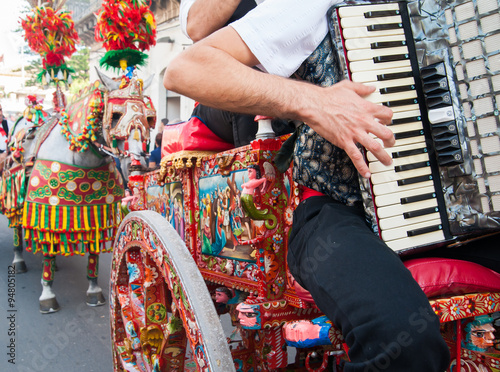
<point x="216" y="72"/>
<point x="237" y="88"/>
<point x="207" y="16"/>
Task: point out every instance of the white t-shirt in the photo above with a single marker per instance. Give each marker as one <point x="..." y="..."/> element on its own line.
<point x="280" y="33"/>
<point x="183" y="14"/>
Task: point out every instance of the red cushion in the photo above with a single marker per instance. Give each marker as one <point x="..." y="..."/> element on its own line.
<point x="191" y="135"/>
<point x="444" y="276"/>
<point x="441" y="277"/>
<point x="302" y="293"/>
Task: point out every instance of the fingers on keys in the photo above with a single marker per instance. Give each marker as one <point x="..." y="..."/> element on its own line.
<point x="361" y="89"/>
<point x="357" y="158"/>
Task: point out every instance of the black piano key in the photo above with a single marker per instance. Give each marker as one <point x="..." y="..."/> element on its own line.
<point x="404" y="154"/>
<point x="449" y="127"/>
<point x="448" y="142"/>
<point x="407" y="167"/>
<point x="420" y="212"/>
<point x="381" y="13"/>
<point x="443" y="99"/>
<point x="413" y="180"/>
<point x="394" y="75"/>
<point x="409" y="134"/>
<point x="388" y="44"/>
<point x="403" y="102"/>
<point x="391" y="58"/>
<point x="402" y="88"/>
<point x="424" y="230"/>
<point x="411" y="119"/>
<point x="433" y="71"/>
<point x="417" y="198"/>
<point x="385" y="26"/>
<point x="439" y="84"/>
<point x="450" y="158"/>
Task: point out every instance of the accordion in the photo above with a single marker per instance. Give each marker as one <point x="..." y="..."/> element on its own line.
<point x="436" y="64"/>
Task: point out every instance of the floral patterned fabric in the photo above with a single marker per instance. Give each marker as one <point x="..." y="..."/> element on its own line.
<point x="318" y="164"/>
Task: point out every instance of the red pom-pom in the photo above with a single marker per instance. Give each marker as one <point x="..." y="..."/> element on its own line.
<point x="53" y="59"/>
<point x="51" y="34"/>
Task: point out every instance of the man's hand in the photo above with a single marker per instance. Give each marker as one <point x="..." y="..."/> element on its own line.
<point x="341" y="115"/>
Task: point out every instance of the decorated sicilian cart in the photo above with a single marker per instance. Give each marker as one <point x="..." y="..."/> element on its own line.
<point x="177" y="268"/>
<point x="208" y="239"/>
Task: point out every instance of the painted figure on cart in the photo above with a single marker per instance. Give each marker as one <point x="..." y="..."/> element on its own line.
<point x="222" y="296"/>
<point x="167" y="200"/>
<point x="229" y="212"/>
<point x="224" y="224"/>
<point x="480" y="334"/>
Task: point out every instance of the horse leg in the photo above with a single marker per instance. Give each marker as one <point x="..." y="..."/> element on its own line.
<point x="19" y="264"/>
<point x="94" y="293"/>
<point x="48" y="301"/>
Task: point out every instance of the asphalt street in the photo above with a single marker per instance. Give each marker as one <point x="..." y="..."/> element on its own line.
<point x="74" y="339"/>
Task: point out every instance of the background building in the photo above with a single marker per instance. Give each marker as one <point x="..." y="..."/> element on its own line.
<point x="13" y="60"/>
<point x="170" y="42"/>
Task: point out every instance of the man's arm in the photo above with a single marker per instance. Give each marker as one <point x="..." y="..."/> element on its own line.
<point x="216" y="72"/>
<point x="206" y="16"/>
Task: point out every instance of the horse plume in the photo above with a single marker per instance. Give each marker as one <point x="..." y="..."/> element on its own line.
<point x="51" y="33"/>
<point x="127" y="28"/>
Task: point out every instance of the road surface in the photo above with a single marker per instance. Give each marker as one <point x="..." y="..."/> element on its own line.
<point x="74" y="339"/>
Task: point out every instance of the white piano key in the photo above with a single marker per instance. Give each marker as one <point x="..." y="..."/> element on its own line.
<point x="361" y="21"/>
<point x="404" y="108"/>
<point x="377" y="167"/>
<point x="399" y="221"/>
<point x="356" y="11"/>
<point x="402" y="232"/>
<point x="365" y="43"/>
<point x="376" y="97"/>
<point x="406" y="114"/>
<point x="416" y="241"/>
<point x="391" y="187"/>
<point x="363" y="54"/>
<point x="369" y="65"/>
<point x="391" y="83"/>
<point x="390" y="150"/>
<point x="389" y="176"/>
<point x="396" y="210"/>
<point x="355" y="33"/>
<point x="395" y="198"/>
<point x="367" y="76"/>
<point x="404" y="141"/>
<point x="401" y="128"/>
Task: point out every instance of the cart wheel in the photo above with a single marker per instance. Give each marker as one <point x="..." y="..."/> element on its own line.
<point x="162" y="315"/>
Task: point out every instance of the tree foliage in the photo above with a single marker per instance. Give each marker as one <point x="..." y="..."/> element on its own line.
<point x="32" y="70"/>
<point x="79" y="61"/>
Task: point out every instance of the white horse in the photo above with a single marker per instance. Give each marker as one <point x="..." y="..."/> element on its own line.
<point x="64" y="189"/>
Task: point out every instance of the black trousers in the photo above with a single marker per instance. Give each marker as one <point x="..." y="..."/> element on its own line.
<point x="239" y="129"/>
<point x="363" y="287"/>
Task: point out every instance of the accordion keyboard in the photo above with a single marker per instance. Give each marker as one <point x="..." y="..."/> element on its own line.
<point x="404" y="192"/>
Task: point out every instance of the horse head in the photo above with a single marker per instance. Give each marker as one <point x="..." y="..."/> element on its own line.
<point x="128" y="117"/>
